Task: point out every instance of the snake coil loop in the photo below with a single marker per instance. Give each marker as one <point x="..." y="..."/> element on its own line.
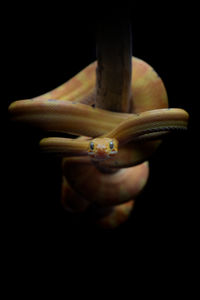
<point x="115" y="140"/>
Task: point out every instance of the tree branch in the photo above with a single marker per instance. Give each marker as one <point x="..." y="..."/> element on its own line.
<point x="114" y="54"/>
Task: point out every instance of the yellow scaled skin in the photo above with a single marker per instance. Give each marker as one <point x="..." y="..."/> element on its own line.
<point x="111" y="134"/>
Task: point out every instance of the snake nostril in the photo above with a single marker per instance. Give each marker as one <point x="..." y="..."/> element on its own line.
<point x="101" y="151"/>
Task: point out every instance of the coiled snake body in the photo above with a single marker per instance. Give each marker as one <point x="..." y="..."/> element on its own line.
<point x="106" y="140"/>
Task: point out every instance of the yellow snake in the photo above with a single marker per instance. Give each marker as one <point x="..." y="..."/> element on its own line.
<point x="110" y="139"/>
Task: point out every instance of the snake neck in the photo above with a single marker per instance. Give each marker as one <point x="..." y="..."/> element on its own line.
<point x="104" y="169"/>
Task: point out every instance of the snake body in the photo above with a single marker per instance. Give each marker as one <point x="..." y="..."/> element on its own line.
<point x="111" y="139"/>
<point x="81" y="119"/>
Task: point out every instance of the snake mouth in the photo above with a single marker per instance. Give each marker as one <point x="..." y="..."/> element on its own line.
<point x="100" y="155"/>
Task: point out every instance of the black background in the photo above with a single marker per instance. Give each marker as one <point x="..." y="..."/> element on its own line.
<point x="43" y="50"/>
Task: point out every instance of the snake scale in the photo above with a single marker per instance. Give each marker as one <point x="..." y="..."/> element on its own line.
<point x="105" y="140"/>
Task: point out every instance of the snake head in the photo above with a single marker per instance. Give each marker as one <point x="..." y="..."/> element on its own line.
<point x="102" y="148"/>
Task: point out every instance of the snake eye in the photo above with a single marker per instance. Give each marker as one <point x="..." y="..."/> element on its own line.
<point x="111" y="145"/>
<point x="91" y="146"/>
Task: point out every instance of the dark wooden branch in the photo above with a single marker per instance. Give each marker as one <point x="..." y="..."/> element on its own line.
<point x="114" y="54"/>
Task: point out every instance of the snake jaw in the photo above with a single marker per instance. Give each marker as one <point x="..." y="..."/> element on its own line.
<point x="113" y="153"/>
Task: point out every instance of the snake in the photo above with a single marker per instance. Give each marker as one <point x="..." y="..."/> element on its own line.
<point x="105" y="140"/>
